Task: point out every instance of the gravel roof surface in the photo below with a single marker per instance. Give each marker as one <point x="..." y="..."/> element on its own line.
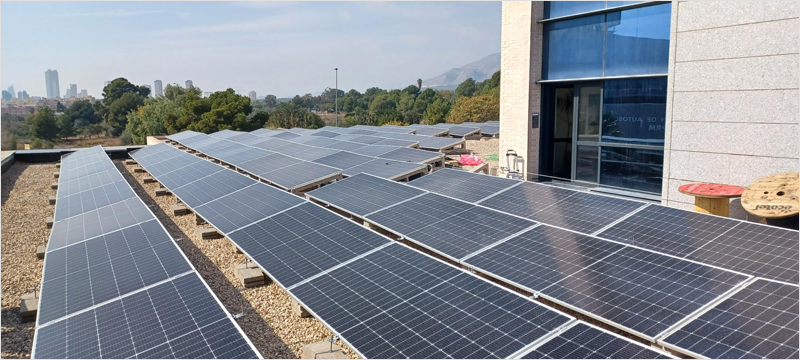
<point x="268" y="318"/>
<point x="25" y="188"/>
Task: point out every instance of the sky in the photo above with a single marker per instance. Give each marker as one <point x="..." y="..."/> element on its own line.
<point x="271" y="47"/>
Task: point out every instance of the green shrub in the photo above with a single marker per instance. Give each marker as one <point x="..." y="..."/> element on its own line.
<point x="36" y="143"/>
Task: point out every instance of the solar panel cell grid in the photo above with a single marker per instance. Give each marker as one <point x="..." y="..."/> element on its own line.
<point x="754" y="249"/>
<point x="97" y="222"/>
<point x="759" y="321"/>
<point x="212" y="187"/>
<point x="388" y="169"/>
<point x="412" y="155"/>
<point x="583" y="341"/>
<point x="304" y="241"/>
<point x="362" y="194"/>
<point x="304" y="173"/>
<point x="668" y="230"/>
<point x="542" y="256"/>
<point x="463" y="185"/>
<point x="92" y="199"/>
<point x="345" y="145"/>
<point x="642" y="291"/>
<point x="586" y="213"/>
<point x="343" y="160"/>
<point x="434" y="311"/>
<point x="244" y="207"/>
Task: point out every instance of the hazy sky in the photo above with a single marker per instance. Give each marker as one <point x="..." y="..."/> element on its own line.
<point x="270" y="47"/>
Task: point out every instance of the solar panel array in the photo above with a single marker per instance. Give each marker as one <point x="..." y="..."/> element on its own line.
<point x="385" y="299"/>
<point x="115" y="285"/>
<point x="584" y="341"/>
<point x="643" y="268"/>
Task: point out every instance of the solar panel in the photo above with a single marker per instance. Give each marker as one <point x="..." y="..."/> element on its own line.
<point x="388" y="169"/>
<point x="211" y="187"/>
<point x="526" y="198"/>
<point x="367" y="139"/>
<point x="244" y="207"/>
<point x="758" y="321"/>
<point x="448" y="226"/>
<point x="343" y="160"/>
<point x="292" y="148"/>
<point x="97" y="222"/>
<point x="245" y="155"/>
<point x="285" y="135"/>
<point x="642" y="291"/>
<point x="89" y="273"/>
<point x="362" y="194"/>
<point x="270" y="143"/>
<point x="463" y="185"/>
<point x="374" y="150"/>
<point x="304" y="241"/>
<point x="397" y="142"/>
<point x="301" y="174"/>
<point x="244" y="137"/>
<point x="668" y="230"/>
<point x="177" y="319"/>
<point x="363" y="132"/>
<point x="345" y="145"/>
<point x="584" y="341"/>
<point x="187" y="174"/>
<point x="266" y="164"/>
<point x="462" y="131"/>
<point x="541" y="256"/>
<point x="755" y="249"/>
<point x="313" y="153"/>
<point x="325" y="133"/>
<point x="431" y="131"/>
<point x="72" y="187"/>
<point x="263" y="132"/>
<point x="490" y="129"/>
<point x="321" y="141"/>
<point x="412" y="155"/>
<point x="402" y="304"/>
<point x="92" y="199"/>
<point x="438" y="143"/>
<point x="225" y="134"/>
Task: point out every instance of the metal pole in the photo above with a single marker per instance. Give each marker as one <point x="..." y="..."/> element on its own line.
<point x="336" y="97"/>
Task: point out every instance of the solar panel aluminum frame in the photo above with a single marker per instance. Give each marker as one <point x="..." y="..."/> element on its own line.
<point x="660" y="339"/>
<point x="352" y="214"/>
<point x="335" y="176"/>
<point x="191" y="266"/>
<point x="556" y="331"/>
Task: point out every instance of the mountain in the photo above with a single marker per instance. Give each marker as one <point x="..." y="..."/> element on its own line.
<point x="479" y="70"/>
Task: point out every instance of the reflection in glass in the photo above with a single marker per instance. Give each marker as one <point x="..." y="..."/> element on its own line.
<point x="589" y="113"/>
<point x="574" y="48"/>
<point x="637" y="41"/>
<point x="636" y="169"/>
<point x="562" y="141"/>
<point x="563" y="8"/>
<point x="586" y="163"/>
<point x="634" y="110"/>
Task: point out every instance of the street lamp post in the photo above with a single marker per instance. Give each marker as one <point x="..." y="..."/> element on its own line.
<point x="336" y="96"/>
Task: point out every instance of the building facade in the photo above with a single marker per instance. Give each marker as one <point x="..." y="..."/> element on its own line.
<point x="51" y="83"/>
<point x="638" y="98"/>
<point x="158" y="90"/>
<point x="189" y="84"/>
<point x="252" y="96"/>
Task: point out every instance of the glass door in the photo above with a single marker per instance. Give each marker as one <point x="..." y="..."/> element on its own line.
<point x="562" y="135"/>
<point x="586" y="132"/>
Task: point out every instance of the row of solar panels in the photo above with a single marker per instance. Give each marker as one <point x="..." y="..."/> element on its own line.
<point x="115" y="285"/>
<point x="614" y="271"/>
<point x="384" y="299"/>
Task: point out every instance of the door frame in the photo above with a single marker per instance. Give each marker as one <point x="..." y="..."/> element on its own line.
<point x="575" y="141"/>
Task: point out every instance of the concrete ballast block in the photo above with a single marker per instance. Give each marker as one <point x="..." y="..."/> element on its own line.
<point x="162" y="192"/>
<point x="49" y="222"/>
<point x="51" y="200"/>
<point x="130" y="162"/>
<point x="322" y="350"/>
<point x="208" y="233"/>
<point x="300" y="311"/>
<point x="198" y="220"/>
<point x="138" y="169"/>
<point x="29" y="306"/>
<point x="56" y="174"/>
<point x="179" y="209"/>
<point x="249" y="274"/>
<point x="148" y="180"/>
<point x="40" y="250"/>
<point x="58" y="166"/>
<point x="54" y="186"/>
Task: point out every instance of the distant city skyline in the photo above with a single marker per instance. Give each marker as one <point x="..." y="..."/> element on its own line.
<point x="275" y="48"/>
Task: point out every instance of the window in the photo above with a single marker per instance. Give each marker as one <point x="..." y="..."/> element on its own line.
<point x="563" y="8"/>
<point x="619" y="43"/>
<point x="635" y="169"/>
<point x="637" y="41"/>
<point x="634" y="110"/>
<point x="574" y="48"/>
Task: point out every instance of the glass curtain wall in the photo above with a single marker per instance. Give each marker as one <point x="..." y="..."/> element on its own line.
<point x="613" y="64"/>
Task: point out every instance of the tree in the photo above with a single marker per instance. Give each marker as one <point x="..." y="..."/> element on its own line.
<point x="151" y="119"/>
<point x="419" y="84"/>
<point x="288" y="115"/>
<point x="66" y="126"/>
<point x="436" y="112"/>
<point x="466" y="88"/>
<point x="411" y="89"/>
<point x="380" y="103"/>
<point x="44" y="125"/>
<point x="117" y="116"/>
<point x="360" y="117"/>
<point x="119" y="87"/>
<point x="271" y="101"/>
<point x="125" y="138"/>
<point x="80" y="114"/>
<point x="476" y="109"/>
